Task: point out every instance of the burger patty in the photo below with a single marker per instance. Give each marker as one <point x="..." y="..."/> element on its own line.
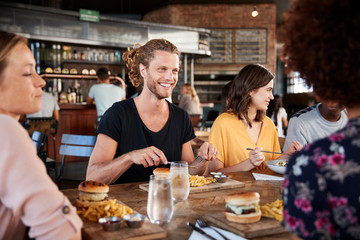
<point x="244" y="211"/>
<point x="241" y="209"/>
<point x="94" y="197"/>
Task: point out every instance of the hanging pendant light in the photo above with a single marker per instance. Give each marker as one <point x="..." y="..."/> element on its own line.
<point x="254" y="13"/>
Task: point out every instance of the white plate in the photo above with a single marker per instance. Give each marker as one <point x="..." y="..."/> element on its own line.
<point x="278" y="169"/>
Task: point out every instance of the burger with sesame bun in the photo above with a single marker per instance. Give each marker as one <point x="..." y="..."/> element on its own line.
<point x="91" y="192"/>
<point x="243" y="207"/>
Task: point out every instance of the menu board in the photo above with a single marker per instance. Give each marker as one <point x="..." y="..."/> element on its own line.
<point x="237" y="46"/>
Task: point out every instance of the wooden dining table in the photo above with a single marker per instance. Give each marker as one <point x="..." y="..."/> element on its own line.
<point x="197" y="204"/>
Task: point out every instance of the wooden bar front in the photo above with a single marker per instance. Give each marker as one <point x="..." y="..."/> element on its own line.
<point x="74" y="119"/>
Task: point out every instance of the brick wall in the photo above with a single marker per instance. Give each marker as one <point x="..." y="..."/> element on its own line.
<point x="221" y="16"/>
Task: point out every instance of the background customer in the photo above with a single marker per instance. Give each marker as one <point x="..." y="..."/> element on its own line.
<point x="189" y="99"/>
<point x="50" y="107"/>
<point x="315" y="122"/>
<point x="105" y="93"/>
<point x="278" y="115"/>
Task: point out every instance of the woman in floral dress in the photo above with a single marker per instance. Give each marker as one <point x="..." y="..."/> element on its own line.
<point x="321" y="192"/>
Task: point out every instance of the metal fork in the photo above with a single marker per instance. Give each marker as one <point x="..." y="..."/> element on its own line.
<point x="202" y="223"/>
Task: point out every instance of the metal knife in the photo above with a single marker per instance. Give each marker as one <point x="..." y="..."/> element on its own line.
<point x="199" y="230"/>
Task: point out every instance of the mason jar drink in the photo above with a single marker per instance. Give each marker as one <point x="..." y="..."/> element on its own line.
<point x="160" y="207"/>
<point x="179" y="174"/>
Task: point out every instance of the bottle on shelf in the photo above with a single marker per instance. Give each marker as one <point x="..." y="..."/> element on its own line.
<point x="58" y="56"/>
<point x="101" y="56"/>
<point x="95" y="56"/>
<point x="81" y="98"/>
<point x="75" y="54"/>
<point x="117" y="56"/>
<point x="77" y="95"/>
<point x="82" y="55"/>
<point x="112" y="56"/>
<point x="88" y="55"/>
<point x="67" y="53"/>
<point x="73" y="95"/>
<point x="69" y="97"/>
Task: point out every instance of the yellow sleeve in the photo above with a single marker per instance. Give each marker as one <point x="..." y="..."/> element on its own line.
<point x="216" y="138"/>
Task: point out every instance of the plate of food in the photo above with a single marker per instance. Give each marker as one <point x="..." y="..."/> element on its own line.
<point x="278" y="165"/>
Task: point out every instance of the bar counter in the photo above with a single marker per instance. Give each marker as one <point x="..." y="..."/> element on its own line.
<point x="197" y="204"/>
<point x="77" y="118"/>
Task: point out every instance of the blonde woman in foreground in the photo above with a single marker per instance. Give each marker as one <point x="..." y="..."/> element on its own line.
<point x="31" y="205"/>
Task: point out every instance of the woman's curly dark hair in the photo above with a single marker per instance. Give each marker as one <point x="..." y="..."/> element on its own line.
<point x="322" y="42"/>
<point x="250" y="78"/>
<point x="144" y="54"/>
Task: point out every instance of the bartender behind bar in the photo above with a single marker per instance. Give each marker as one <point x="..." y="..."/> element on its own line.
<point x="104" y="93"/>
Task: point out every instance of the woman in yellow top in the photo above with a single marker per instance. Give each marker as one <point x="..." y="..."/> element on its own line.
<point x="245" y="125"/>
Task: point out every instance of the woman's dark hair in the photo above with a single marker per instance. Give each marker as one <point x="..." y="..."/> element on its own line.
<point x="250" y="78"/>
<point x="323" y="43"/>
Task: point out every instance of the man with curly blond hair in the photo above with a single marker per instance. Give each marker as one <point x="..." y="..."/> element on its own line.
<point x="138" y="134"/>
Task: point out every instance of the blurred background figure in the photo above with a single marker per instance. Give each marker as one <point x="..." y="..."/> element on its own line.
<point x="278" y="115"/>
<point x="189" y="99"/>
<point x="105" y="94"/>
<point x="315" y="122"/>
<point x="224" y="96"/>
<point x="31" y="205"/>
<point x="45" y="121"/>
<point x="50" y="107"/>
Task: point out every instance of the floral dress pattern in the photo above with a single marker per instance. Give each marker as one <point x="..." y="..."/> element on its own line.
<point x="322" y="187"/>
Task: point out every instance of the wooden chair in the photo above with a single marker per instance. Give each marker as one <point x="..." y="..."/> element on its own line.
<point x="45" y="125"/>
<point x="74" y="145"/>
<point x="39" y="140"/>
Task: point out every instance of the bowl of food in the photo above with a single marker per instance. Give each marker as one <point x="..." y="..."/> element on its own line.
<point x="216" y="173"/>
<point x="278" y="166"/>
<point x="221" y="178"/>
<point x="134" y="220"/>
<point x="110" y="224"/>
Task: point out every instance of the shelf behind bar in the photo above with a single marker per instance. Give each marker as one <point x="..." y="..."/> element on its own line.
<point x="70" y="76"/>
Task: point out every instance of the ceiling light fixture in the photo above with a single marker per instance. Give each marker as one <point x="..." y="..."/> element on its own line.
<point x="254" y="13"/>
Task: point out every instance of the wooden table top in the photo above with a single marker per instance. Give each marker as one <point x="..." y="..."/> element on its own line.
<point x="197" y="203"/>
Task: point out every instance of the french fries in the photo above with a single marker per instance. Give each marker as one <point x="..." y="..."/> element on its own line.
<point x="273" y="210"/>
<point x="198" y="181"/>
<point x="109" y="208"/>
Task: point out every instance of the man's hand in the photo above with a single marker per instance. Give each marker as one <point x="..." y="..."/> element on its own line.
<point x="148" y="157"/>
<point x="256" y="157"/>
<point x="294" y="147"/>
<point x="208" y="151"/>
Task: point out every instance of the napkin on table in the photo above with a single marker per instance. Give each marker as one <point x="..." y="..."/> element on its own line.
<point x="197" y="236"/>
<point x="259" y="176"/>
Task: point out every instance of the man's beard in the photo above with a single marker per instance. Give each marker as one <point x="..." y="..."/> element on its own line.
<point x="151" y="84"/>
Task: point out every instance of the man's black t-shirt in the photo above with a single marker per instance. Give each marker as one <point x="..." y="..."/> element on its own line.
<point x="122" y="123"/>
